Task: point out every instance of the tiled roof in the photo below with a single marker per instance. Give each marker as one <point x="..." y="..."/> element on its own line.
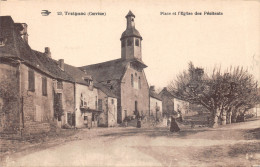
<point x="76" y="73"/>
<point x="110" y="70"/>
<point x="52" y="66"/>
<point x="170" y="94"/>
<point x="132" y="32"/>
<point x="16" y="48"/>
<point x="105" y="90"/>
<point x="155" y="95"/>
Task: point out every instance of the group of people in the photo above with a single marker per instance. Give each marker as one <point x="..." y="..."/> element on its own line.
<point x="173" y="123"/>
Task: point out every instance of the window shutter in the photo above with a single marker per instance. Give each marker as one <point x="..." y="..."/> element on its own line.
<point x="31" y="80"/>
<point x="100" y="104"/>
<point x="44" y="86"/>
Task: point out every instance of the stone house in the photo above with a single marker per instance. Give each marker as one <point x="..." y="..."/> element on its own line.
<point x="155" y="104"/>
<point x="125" y="77"/>
<point x="26" y="82"/>
<point x="107" y="103"/>
<point x="86" y="98"/>
<point x="37" y="91"/>
<point x="171" y="104"/>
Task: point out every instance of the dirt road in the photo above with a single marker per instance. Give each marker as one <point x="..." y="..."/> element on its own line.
<point x="232" y="145"/>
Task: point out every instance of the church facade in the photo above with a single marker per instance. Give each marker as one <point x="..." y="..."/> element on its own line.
<point x="125" y="76"/>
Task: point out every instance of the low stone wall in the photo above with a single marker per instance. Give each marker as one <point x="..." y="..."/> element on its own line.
<point x="36" y="127"/>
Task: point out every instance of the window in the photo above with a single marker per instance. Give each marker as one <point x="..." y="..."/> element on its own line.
<point x="2" y="41"/>
<point x="31" y="80"/>
<point x="93" y="117"/>
<point x="136" y="108"/>
<point x="44" y="86"/>
<point x="85" y="118"/>
<point x="129" y="42"/>
<point x="99" y="104"/>
<point x="59" y="85"/>
<point x="132" y="80"/>
<point x="96" y="103"/>
<point x="139" y="82"/>
<point x="112" y="101"/>
<point x="123" y="43"/>
<point x="83" y="101"/>
<point x="137" y="42"/>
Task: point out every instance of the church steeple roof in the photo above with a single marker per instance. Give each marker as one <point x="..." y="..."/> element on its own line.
<point x="130" y="29"/>
<point x="130" y="13"/>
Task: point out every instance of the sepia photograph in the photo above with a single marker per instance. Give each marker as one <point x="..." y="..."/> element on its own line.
<point x="129" y="83"/>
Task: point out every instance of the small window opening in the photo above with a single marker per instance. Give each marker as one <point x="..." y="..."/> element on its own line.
<point x="129" y="42"/>
<point x="123" y="43"/>
<point x="137" y="42"/>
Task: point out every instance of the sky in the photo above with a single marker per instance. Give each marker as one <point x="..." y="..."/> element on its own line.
<point x="169" y="43"/>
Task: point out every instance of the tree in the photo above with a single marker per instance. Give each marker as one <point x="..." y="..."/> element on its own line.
<point x="223" y="94"/>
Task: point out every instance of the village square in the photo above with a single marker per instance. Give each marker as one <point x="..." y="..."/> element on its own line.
<point x="107" y="114"/>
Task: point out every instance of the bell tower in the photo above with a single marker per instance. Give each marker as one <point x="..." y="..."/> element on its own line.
<point x="131" y="40"/>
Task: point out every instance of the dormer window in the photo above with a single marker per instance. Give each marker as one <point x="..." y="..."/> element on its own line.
<point x="88" y="81"/>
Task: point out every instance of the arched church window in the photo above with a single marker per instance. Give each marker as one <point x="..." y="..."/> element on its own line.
<point x="139" y="82"/>
<point x="123" y="43"/>
<point x="129" y="42"/>
<point x="132" y="19"/>
<point x="137" y="42"/>
<point x="132" y="80"/>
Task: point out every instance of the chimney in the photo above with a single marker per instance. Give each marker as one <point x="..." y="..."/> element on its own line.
<point x="22" y="29"/>
<point x="61" y="64"/>
<point x="47" y="52"/>
<point x="25" y="34"/>
<point x="152" y="88"/>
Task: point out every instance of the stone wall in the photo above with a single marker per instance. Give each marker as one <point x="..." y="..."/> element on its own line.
<point x="68" y="101"/>
<point x="155" y="103"/>
<point x="91" y="97"/>
<point x="9" y="98"/>
<point x="102" y="119"/>
<point x="131" y="94"/>
<point x="181" y="105"/>
<point x="112" y="112"/>
<point x="167" y="105"/>
<point x="37" y="108"/>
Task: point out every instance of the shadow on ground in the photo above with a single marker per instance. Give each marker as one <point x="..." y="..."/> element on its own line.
<point x="254" y="133"/>
<point x="153" y="132"/>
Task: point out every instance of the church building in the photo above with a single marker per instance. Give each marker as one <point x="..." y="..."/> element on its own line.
<point x="125" y="76"/>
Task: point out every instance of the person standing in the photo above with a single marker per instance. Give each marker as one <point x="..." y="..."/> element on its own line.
<point x="174" y="126"/>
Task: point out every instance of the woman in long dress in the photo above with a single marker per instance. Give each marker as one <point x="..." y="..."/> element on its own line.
<point x="174" y="126"/>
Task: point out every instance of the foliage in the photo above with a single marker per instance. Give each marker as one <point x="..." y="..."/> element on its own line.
<point x="234" y="91"/>
<point x="9" y="94"/>
<point x="58" y="108"/>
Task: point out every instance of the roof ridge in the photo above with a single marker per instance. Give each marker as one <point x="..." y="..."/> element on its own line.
<point x="110" y="61"/>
